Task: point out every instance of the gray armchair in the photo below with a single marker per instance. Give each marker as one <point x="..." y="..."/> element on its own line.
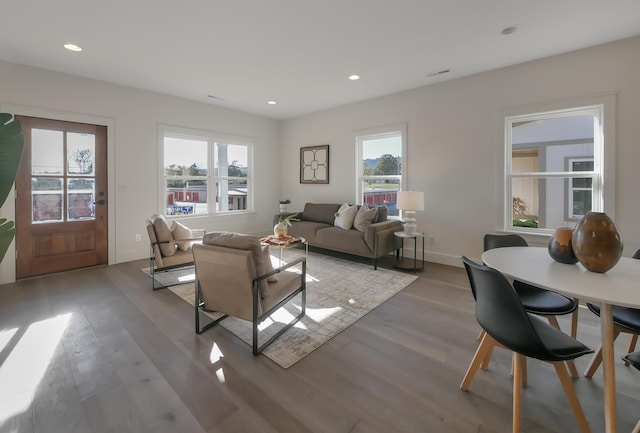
<point x="234" y="277"/>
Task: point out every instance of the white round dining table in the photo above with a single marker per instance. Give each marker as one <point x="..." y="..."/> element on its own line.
<point x="618" y="286"/>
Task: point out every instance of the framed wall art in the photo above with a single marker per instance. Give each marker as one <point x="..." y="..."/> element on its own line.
<point x="314" y="164"/>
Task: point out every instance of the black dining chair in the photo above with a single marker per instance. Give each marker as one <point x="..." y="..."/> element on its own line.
<point x="625" y="320"/>
<point x="506" y="323"/>
<point x="633" y="359"/>
<point x="535" y="299"/>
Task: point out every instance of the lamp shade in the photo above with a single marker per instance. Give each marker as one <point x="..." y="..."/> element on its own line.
<point x="410" y="200"/>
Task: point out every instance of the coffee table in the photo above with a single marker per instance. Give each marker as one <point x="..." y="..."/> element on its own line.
<point x="285" y="242"/>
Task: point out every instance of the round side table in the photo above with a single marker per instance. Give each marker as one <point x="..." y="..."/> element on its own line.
<point x="409" y="263"/>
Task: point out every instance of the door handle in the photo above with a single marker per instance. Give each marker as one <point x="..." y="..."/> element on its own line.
<point x="99" y="202"/>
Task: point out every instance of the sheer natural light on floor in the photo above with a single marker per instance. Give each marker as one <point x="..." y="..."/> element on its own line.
<point x="315" y="314"/>
<point x="27" y="362"/>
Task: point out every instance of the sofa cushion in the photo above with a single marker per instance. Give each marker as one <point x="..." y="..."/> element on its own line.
<point x="344" y="216"/>
<point x="320" y="212"/>
<point x="346" y="241"/>
<point x="307" y="230"/>
<point x="382" y="214"/>
<point x="180" y="231"/>
<point x="364" y="218"/>
<point x="241" y="242"/>
<point x="163" y="235"/>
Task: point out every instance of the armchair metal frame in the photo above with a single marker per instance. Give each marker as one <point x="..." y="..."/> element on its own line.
<point x="258" y="318"/>
<point x="180" y="260"/>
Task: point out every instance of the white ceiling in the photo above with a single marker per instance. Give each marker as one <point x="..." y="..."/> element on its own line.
<point x="299" y="52"/>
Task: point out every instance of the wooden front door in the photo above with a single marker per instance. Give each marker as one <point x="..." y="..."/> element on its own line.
<point x="61" y="204"/>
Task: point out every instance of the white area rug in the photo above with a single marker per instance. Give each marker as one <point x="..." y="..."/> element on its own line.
<point x="339" y="292"/>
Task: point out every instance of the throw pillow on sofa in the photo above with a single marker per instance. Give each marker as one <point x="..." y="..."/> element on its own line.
<point x="382" y="214"/>
<point x="364" y="217"/>
<point x="345" y="216"/>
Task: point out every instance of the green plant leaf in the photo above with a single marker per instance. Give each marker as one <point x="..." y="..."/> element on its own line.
<point x="7" y="232"/>
<point x="11" y="145"/>
<point x="289" y="218"/>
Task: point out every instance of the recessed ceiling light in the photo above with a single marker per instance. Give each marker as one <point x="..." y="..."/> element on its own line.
<point x="72" y="47"/>
<point x="271" y="102"/>
<point x="354" y="77"/>
<point x="509" y="30"/>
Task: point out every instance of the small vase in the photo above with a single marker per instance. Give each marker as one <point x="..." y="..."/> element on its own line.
<point x="597" y="242"/>
<point x="280" y="230"/>
<point x="283" y="208"/>
<point x="560" y="246"/>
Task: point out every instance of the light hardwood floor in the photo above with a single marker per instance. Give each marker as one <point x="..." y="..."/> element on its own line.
<point x="97" y="351"/>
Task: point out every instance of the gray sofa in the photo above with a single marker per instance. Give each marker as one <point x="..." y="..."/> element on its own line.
<point x="316" y="225"/>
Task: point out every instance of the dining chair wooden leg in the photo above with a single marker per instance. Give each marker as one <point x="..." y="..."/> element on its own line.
<point x="554" y="322"/>
<point x="565" y="380"/>
<point x="636" y="428"/>
<point x="574" y="322"/>
<point x="487" y="358"/>
<point x="485" y="345"/>
<point x="518" y="361"/>
<point x="596" y="359"/>
<point x="632" y="346"/>
<point x="523" y="369"/>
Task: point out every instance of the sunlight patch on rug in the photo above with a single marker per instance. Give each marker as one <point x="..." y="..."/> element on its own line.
<point x="339" y="292"/>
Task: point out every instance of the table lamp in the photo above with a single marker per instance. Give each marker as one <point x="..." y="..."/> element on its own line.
<point x="410" y="202"/>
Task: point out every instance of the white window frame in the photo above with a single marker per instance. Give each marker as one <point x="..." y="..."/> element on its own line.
<point x="569" y="215"/>
<point x="373" y="133"/>
<point x="604" y="154"/>
<point x="212" y="139"/>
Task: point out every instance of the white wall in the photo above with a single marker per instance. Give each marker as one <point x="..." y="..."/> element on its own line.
<point x="455" y="141"/>
<point x="454" y="135"/>
<point x="133" y="116"/>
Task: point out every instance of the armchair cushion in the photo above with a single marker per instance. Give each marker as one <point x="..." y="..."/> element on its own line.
<point x="242" y="242"/>
<point x="180" y="231"/>
<point x="163" y="235"/>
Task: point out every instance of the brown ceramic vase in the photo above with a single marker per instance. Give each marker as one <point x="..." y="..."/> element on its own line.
<point x="560" y="246"/>
<point x="597" y="242"/>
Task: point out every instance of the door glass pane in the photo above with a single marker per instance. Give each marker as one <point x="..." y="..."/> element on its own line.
<point x="46" y="152"/>
<point x="80" y="154"/>
<point x="46" y="198"/>
<point x="80" y="199"/>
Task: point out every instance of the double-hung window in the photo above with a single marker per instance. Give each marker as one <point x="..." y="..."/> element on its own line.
<point x="204" y="172"/>
<point x="380" y="166"/>
<point x="554" y="168"/>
